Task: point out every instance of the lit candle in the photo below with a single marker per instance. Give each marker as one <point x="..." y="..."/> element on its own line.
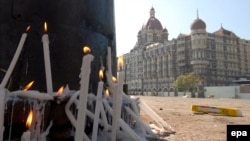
<point x="117" y="102"/>
<point x="60" y="91"/>
<point x="28" y="86"/>
<point x="45" y="40"/>
<point x="82" y="107"/>
<point x="31" y="94"/>
<point x="60" y="95"/>
<point x="98" y="106"/>
<point x="2" y="106"/>
<point x="14" y="60"/>
<point x="27" y="134"/>
<point x="106" y="94"/>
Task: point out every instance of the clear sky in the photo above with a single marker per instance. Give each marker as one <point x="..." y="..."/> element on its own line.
<point x="177" y="16"/>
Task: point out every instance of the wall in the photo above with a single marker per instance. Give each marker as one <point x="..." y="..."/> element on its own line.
<point x="226" y="92"/>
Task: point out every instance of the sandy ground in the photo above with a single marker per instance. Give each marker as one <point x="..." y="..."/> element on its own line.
<point x="176" y="111"/>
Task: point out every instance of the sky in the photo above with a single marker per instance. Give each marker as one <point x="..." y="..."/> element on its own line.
<point x="177" y="16"/>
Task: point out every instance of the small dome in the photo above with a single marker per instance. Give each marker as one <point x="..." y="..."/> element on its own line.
<point x="164" y="30"/>
<point x="198" y="24"/>
<point x="223" y="31"/>
<point x="152" y="23"/>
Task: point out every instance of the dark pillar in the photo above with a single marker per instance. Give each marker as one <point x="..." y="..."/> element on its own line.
<point x="71" y="25"/>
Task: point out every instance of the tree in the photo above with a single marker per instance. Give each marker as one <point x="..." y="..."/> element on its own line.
<point x="187" y="82"/>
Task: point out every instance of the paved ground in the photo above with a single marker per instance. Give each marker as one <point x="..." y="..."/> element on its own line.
<point x="176" y="111"/>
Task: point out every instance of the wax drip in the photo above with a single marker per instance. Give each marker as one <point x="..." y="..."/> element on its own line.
<point x="11" y="119"/>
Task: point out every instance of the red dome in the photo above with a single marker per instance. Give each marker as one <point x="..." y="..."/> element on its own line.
<point x="153" y="24"/>
<point x="198" y="24"/>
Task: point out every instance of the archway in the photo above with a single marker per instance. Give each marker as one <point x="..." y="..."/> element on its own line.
<point x="154" y="92"/>
<point x="171" y="91"/>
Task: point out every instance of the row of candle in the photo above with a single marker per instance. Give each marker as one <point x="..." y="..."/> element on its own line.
<point x="36" y="114"/>
<point x="85" y="73"/>
<point x="45" y="41"/>
<point x="33" y="94"/>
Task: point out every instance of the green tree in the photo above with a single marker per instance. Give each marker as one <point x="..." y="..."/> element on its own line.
<point x="186" y="82"/>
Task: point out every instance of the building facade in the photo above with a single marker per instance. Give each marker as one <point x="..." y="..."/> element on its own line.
<point x="155" y="61"/>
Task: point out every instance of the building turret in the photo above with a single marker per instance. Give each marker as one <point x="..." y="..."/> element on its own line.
<point x="198" y="40"/>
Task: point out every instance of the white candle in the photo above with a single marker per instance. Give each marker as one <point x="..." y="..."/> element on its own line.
<point x="2" y="106"/>
<point x="82" y="107"/>
<point x="140" y="122"/>
<point x="97" y="110"/>
<point x="14" y="60"/>
<point x="45" y="40"/>
<point x="26" y="136"/>
<point x="104" y="119"/>
<point x="69" y="114"/>
<point x="109" y="60"/>
<point x="117" y="104"/>
<point x="31" y="94"/>
<point x="46" y="132"/>
<point x="124" y="126"/>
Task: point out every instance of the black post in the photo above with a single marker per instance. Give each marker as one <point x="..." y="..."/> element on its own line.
<point x="71" y="25"/>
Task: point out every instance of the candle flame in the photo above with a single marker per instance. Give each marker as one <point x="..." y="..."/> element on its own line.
<point x="107" y="92"/>
<point x="86" y="49"/>
<point x="101" y="75"/>
<point x="45" y="27"/>
<point x="60" y="90"/>
<point x="28" y="86"/>
<point x="29" y="119"/>
<point x="114" y="79"/>
<point x="28" y="28"/>
<point x="120" y="61"/>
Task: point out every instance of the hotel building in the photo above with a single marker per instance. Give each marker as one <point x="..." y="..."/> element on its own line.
<point x="155" y="61"/>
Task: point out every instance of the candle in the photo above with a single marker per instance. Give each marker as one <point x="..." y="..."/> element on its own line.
<point x="46" y="132"/>
<point x="28" y="86"/>
<point x="45" y="40"/>
<point x="2" y="106"/>
<point x="82" y="107"/>
<point x="120" y="62"/>
<point x="124" y="126"/>
<point x="67" y="108"/>
<point x="104" y="119"/>
<point x="140" y="122"/>
<point x="31" y="94"/>
<point x="109" y="60"/>
<point x="97" y="107"/>
<point x="27" y="134"/>
<point x="155" y="116"/>
<point x="60" y="95"/>
<point x="117" y="103"/>
<point x="14" y="60"/>
<point x="106" y="94"/>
